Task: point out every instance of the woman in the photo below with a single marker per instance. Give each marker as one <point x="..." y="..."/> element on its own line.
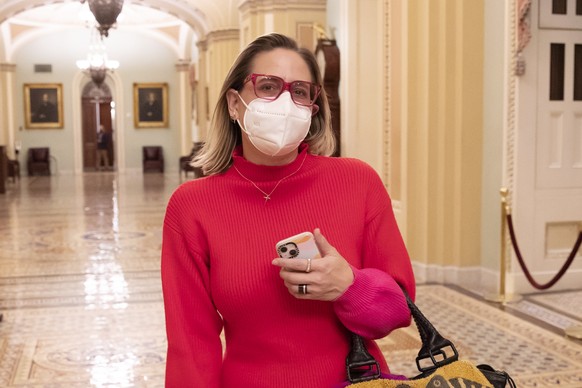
<point x="285" y="321"/>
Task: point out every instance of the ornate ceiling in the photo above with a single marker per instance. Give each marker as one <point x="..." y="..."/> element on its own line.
<point x="24" y="19"/>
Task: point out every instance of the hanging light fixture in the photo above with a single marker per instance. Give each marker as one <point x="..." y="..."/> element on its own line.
<point x="106" y="13"/>
<point x="97" y="64"/>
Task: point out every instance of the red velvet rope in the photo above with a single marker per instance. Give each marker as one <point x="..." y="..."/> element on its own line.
<point x="524" y="267"/>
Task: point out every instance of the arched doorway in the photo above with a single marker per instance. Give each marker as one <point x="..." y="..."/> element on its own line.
<point x="96" y="105"/>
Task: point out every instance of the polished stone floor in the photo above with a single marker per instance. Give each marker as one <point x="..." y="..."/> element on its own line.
<point x="81" y="298"/>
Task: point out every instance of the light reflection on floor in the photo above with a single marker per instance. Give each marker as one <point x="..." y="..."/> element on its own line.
<point x="81" y="296"/>
<point x="79" y="284"/>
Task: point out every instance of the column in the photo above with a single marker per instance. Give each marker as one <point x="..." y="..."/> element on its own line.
<point x="223" y="48"/>
<point x="444" y="116"/>
<point x="185" y="115"/>
<point x="295" y="19"/>
<point x="202" y="106"/>
<point x="7" y="130"/>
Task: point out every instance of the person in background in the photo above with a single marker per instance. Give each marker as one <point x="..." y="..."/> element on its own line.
<point x="286" y="322"/>
<point x="103" y="143"/>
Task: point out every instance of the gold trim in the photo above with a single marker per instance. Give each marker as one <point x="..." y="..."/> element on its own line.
<point x="141" y="91"/>
<point x="35" y="116"/>
<point x="503" y="297"/>
<point x="222" y="35"/>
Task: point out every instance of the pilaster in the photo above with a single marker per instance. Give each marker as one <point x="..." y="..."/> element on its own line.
<point x="7" y="120"/>
<point x="444" y="132"/>
<point x="294" y="18"/>
<point x="202" y="105"/>
<point x="185" y="115"/>
<point x="222" y="49"/>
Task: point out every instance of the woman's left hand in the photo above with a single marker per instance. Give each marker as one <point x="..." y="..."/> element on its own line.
<point x="328" y="278"/>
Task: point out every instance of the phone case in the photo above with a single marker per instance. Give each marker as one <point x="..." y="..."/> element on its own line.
<point x="300" y="246"/>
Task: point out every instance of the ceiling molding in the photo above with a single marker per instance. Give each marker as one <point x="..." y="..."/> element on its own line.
<point x="202" y="16"/>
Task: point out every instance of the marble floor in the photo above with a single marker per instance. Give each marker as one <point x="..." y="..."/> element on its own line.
<point x="81" y="298"/>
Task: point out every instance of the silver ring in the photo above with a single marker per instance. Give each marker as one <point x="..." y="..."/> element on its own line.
<point x="308" y="266"/>
<point x="302" y="289"/>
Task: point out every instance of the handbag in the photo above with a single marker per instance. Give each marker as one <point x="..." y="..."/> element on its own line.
<point x="437" y="361"/>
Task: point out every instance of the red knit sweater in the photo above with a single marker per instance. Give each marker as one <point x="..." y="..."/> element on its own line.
<point x="218" y="243"/>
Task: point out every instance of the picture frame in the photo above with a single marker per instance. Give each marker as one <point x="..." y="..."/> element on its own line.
<point x="43" y="106"/>
<point x="150" y="105"/>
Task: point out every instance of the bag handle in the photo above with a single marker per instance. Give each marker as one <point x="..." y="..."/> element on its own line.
<point x="360" y="363"/>
<point x="434" y="345"/>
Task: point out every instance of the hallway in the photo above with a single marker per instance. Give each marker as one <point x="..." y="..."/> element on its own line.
<point x="81" y="298"/>
<point x="80" y="287"/>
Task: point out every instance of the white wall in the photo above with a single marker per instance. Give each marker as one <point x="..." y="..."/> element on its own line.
<point x="142" y="59"/>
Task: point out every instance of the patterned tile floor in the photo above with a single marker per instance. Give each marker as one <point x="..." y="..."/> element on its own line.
<point x="81" y="297"/>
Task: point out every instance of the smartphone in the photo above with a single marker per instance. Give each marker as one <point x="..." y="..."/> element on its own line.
<point x="300" y="246"/>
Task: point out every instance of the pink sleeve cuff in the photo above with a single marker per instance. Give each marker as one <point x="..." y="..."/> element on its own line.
<point x="373" y="306"/>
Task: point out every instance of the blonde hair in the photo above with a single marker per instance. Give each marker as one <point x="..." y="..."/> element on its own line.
<point x="224" y="135"/>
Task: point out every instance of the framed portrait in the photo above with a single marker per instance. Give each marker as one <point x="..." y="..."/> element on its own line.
<point x="43" y="106"/>
<point x="150" y="105"/>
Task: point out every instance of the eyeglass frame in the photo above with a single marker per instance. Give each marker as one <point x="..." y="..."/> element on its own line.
<point x="286" y="87"/>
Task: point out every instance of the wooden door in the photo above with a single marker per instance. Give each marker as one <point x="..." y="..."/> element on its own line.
<point x="95" y="112"/>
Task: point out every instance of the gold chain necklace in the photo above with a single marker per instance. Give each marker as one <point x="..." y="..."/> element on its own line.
<point x="267" y="196"/>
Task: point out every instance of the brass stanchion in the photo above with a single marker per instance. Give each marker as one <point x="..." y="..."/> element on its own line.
<point x="503" y="297"/>
<point x="574" y="331"/>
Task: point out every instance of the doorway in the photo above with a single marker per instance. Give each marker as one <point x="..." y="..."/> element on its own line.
<point x="549" y="185"/>
<point x="96" y="113"/>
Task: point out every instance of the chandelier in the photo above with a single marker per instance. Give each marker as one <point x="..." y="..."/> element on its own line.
<point x="97" y="64"/>
<point x="106" y="13"/>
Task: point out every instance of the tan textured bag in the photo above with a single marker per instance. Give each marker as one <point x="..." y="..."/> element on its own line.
<point x="456" y="374"/>
<point x="437" y="361"/>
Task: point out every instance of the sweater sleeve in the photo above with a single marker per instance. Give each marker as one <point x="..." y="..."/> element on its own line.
<point x="374" y="305"/>
<point x="193" y="325"/>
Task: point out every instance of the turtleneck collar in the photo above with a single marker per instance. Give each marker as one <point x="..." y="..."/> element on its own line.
<point x="262" y="173"/>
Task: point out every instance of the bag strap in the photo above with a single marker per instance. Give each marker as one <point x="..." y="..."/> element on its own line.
<point x="434" y="345"/>
<point x="360" y="363"/>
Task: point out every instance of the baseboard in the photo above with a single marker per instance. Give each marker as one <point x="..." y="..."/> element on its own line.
<point x="485" y="281"/>
<point x="465" y="277"/>
<point x="570" y="281"/>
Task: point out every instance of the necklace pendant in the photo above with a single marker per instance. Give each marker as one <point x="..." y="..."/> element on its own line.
<point x="268" y="196"/>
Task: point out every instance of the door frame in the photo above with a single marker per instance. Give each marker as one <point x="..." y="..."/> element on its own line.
<point x="115" y="84"/>
<point x="89" y="133"/>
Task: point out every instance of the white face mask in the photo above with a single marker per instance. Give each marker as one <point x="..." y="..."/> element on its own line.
<point x="276" y="127"/>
